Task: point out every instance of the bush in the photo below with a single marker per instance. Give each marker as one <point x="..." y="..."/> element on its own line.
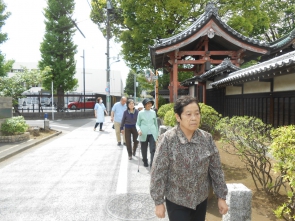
<point x="210" y="118"/>
<point x="164" y="109"/>
<point x="249" y="138"/>
<point x="13" y="126"/>
<point x="169" y="119"/>
<point x="283" y="151"/>
<point x="161" y="102"/>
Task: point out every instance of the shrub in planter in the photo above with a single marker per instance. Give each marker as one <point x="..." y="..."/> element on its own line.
<point x="283" y="151"/>
<point x="14" y="126"/>
<point x="164" y="108"/>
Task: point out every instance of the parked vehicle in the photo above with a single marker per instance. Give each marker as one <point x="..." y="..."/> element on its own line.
<point x="76" y="105"/>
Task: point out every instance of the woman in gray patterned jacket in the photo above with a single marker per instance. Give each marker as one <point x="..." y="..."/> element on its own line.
<point x="185" y="162"/>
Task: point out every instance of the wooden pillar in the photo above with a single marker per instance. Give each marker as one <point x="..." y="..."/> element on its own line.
<point x="171" y="86"/>
<point x="175" y="80"/>
<point x="204" y="91"/>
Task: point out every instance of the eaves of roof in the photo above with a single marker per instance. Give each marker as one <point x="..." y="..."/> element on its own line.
<point x="259" y="71"/>
<point x="210" y="11"/>
<point x="225" y="66"/>
<point x="283" y="42"/>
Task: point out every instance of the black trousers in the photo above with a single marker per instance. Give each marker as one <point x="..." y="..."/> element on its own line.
<point x="181" y="213"/>
<point x="100" y="125"/>
<point x="128" y="132"/>
<point x="144" y="145"/>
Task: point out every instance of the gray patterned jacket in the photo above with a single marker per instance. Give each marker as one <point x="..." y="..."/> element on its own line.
<point x="182" y="170"/>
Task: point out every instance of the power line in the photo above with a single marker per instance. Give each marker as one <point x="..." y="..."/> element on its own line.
<point x="89" y="4"/>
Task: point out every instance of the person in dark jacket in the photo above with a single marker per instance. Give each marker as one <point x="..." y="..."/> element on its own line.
<point x="129" y="122"/>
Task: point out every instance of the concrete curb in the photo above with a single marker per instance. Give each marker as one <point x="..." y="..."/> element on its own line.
<point x="24" y="147"/>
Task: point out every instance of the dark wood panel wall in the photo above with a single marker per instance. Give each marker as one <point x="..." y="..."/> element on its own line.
<point x="277" y="108"/>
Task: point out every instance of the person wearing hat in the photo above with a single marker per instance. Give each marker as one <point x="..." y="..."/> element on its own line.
<point x="147" y="128"/>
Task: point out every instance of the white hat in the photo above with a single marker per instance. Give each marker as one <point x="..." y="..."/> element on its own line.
<point x="140" y="105"/>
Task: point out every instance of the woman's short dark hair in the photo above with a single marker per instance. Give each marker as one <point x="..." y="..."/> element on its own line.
<point x="98" y="99"/>
<point x="182" y="102"/>
<point x="128" y="102"/>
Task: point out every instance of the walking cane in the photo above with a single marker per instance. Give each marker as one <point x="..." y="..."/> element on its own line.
<point x="139" y="147"/>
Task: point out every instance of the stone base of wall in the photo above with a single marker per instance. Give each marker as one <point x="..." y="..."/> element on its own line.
<point x="15" y="138"/>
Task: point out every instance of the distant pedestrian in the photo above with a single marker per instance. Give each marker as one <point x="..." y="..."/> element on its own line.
<point x="147" y="128"/>
<point x="99" y="110"/>
<point x="128" y="128"/>
<point x="116" y="117"/>
<point x="140" y="107"/>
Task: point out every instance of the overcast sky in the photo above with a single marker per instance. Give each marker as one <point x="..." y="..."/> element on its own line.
<point x="25" y="28"/>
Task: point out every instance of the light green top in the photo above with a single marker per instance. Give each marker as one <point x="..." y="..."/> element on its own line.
<point x="147" y="124"/>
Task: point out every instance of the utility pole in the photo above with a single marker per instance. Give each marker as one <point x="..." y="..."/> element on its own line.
<point x="134" y="87"/>
<point x="84" y="76"/>
<point x="109" y="8"/>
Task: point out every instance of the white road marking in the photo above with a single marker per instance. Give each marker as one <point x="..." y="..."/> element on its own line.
<point x="122" y="179"/>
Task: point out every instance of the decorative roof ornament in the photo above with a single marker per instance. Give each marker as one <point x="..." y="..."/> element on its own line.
<point x="211" y="7"/>
<point x="211" y="33"/>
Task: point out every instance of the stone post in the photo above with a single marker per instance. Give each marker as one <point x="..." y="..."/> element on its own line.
<point x="238" y="199"/>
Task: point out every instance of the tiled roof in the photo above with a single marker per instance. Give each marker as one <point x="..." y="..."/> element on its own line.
<point x="210" y="11"/>
<point x="225" y="66"/>
<point x="255" y="71"/>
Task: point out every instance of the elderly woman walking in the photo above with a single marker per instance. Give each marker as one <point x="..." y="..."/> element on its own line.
<point x="99" y="110"/>
<point x="186" y="163"/>
<point x="128" y="122"/>
<point x="147" y="128"/>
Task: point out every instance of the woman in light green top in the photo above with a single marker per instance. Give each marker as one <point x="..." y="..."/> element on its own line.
<point x="147" y="128"/>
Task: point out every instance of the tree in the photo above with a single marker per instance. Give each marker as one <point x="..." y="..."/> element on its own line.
<point x="139" y="23"/>
<point x="14" y="86"/>
<point x="4" y="66"/>
<point x="58" y="48"/>
<point x="129" y="88"/>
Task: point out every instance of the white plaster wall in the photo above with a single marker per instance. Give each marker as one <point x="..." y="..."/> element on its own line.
<point x="207" y="85"/>
<point x="232" y="90"/>
<point x="256" y="87"/>
<point x="284" y="83"/>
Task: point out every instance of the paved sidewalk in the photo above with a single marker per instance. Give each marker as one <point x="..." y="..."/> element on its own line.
<point x="82" y="175"/>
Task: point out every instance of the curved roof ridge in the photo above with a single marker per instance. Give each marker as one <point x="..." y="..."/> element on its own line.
<point x="283" y="40"/>
<point x="225" y="64"/>
<point x="283" y="60"/>
<point x="210" y="10"/>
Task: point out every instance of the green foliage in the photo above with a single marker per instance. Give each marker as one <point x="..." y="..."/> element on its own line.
<point x="209" y="118"/>
<point x="58" y="49"/>
<point x="283" y="151"/>
<point x="14" y="86"/>
<point x="249" y="138"/>
<point x="130" y="21"/>
<point x="161" y="101"/>
<point x="3" y="37"/>
<point x="164" y="109"/>
<point x="170" y="119"/>
<point x="129" y="88"/>
<point x="13" y="126"/>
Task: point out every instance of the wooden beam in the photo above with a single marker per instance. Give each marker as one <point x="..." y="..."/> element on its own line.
<point x="203" y="53"/>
